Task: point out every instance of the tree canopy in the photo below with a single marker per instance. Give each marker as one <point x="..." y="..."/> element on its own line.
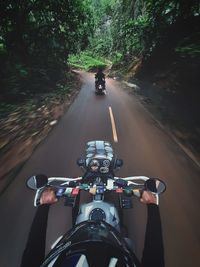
<point x="138" y="27"/>
<point x="36" y="37"/>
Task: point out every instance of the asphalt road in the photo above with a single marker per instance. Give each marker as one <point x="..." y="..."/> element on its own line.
<point x="146" y="150"/>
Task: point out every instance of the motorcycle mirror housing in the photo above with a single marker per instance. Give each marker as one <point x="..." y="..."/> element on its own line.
<point x="81" y="162"/>
<point x="118" y="163"/>
<point x="155" y="185"/>
<point x="37" y="181"/>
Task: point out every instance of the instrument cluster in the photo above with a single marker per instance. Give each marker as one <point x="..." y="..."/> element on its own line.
<point x="99" y="165"/>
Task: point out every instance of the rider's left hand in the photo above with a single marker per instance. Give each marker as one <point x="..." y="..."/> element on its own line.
<point x="48" y="197"/>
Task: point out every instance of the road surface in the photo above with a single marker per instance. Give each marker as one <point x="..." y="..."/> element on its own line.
<point x="145" y="148"/>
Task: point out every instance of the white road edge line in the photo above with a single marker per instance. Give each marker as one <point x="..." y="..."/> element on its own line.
<point x="113" y="125"/>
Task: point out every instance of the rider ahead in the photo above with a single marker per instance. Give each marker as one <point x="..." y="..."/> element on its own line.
<point x="104" y="256"/>
<point x="100" y="78"/>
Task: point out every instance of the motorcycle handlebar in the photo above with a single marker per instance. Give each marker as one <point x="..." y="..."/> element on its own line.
<point x="67" y="186"/>
<point x="71" y="186"/>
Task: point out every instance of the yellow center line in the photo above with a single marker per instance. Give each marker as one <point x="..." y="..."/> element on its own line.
<point x="113" y="125"/>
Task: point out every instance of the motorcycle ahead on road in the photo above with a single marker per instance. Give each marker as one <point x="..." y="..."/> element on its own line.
<point x="100" y="87"/>
<point x="96" y="226"/>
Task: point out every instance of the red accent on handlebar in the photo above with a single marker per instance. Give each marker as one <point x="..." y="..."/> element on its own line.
<point x="75" y="191"/>
<point x="119" y="190"/>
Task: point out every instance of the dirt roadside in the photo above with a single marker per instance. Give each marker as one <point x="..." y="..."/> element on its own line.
<point x="177" y="114"/>
<point x="25" y="127"/>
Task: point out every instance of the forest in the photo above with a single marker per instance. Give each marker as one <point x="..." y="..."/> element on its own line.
<point x="37" y="38"/>
<point x="150" y="112"/>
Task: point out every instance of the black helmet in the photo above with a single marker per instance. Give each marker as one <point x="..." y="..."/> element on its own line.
<point x="91" y="244"/>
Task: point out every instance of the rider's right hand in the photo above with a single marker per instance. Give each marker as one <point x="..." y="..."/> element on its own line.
<point x="148" y="198"/>
<point x="48" y="196"/>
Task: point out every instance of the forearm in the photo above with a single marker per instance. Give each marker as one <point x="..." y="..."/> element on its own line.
<point x="34" y="252"/>
<point x="153" y="254"/>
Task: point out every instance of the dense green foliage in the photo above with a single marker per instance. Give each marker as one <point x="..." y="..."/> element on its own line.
<point x="36" y="38"/>
<point x="137" y="28"/>
<point x="87" y="61"/>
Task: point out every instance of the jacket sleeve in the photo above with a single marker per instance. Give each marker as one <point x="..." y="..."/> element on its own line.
<point x="153" y="253"/>
<point x="34" y="252"/>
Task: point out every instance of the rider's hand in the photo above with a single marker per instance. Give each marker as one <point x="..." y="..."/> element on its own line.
<point x="48" y="197"/>
<point x="148" y="198"/>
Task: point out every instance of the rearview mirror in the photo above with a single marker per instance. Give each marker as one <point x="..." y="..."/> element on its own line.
<point x="37" y="181"/>
<point x="156" y="186"/>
